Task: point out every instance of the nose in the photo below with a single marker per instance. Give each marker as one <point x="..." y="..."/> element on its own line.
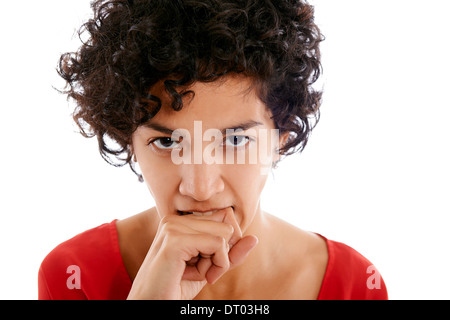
<point x="201" y="181"/>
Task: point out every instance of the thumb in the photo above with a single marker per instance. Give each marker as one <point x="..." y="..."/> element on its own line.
<point x="241" y="249"/>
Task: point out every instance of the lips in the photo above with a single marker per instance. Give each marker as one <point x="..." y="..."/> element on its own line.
<point x="200" y="213"/>
<point x="196" y="213"/>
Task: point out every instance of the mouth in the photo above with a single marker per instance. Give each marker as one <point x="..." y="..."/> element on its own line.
<point x="200" y="213"/>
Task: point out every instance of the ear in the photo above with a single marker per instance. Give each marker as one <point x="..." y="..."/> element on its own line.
<point x="131" y="149"/>
<point x="282" y="140"/>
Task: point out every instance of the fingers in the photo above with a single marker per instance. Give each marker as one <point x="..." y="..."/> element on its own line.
<point x="234" y="257"/>
<point x="224" y="216"/>
<point x="212" y="268"/>
<point x="209" y="245"/>
<point x="241" y="250"/>
<point x="214" y="261"/>
<point x="221" y="223"/>
<point x="230" y="219"/>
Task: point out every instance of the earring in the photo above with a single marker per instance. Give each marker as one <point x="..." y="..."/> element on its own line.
<point x="275" y="164"/>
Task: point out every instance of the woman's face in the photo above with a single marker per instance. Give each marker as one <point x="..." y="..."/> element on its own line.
<point x="202" y="170"/>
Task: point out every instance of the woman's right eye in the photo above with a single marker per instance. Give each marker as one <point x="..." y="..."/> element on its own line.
<point x="165" y="143"/>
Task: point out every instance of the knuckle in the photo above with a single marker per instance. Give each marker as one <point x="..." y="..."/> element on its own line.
<point x="167" y="225"/>
<point x="166" y="219"/>
<point x="172" y="239"/>
<point x="221" y="242"/>
<point x="229" y="229"/>
<point x="227" y="264"/>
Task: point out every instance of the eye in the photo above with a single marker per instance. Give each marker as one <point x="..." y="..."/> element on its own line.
<point x="236" y="141"/>
<point x="165" y="143"/>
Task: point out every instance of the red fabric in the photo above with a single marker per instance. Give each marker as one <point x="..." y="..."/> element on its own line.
<point x="102" y="274"/>
<point x="350" y="276"/>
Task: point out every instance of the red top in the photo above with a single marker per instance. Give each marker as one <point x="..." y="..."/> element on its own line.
<point x="89" y="266"/>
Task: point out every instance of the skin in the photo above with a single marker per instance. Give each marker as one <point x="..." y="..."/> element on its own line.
<point x="238" y="252"/>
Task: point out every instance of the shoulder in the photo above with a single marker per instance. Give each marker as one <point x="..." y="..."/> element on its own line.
<point x="349" y="275"/>
<point x="83" y="267"/>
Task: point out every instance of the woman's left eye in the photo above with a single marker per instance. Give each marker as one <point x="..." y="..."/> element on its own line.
<point x="236" y="141"/>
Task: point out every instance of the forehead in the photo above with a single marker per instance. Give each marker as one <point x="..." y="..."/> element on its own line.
<point x="222" y="102"/>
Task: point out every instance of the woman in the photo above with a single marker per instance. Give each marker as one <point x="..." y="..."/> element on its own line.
<point x="204" y="96"/>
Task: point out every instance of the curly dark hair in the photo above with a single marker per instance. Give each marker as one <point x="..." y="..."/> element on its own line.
<point x="133" y="44"/>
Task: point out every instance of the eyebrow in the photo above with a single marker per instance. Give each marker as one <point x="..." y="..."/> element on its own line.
<point x="241" y="126"/>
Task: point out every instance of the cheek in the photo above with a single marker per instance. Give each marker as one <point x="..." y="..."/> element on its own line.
<point x="246" y="184"/>
<point x="246" y="181"/>
<point x="163" y="188"/>
<point x="159" y="176"/>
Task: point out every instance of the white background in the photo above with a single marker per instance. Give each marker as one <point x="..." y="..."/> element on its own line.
<point x="375" y="174"/>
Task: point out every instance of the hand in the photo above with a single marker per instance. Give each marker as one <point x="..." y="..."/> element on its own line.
<point x="188" y="252"/>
